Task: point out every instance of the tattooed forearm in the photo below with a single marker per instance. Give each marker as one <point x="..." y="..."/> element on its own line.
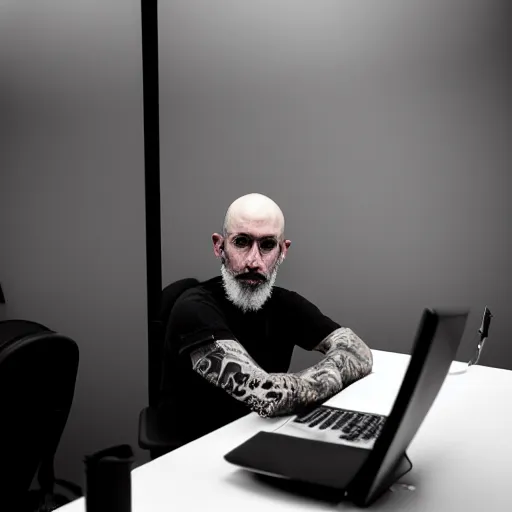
<point x="347" y="357"/>
<point x="226" y="364"/>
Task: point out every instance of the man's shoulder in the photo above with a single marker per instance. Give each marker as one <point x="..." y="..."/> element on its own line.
<point x="197" y="309"/>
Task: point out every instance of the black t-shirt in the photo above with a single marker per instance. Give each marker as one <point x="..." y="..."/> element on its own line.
<point x="203" y="314"/>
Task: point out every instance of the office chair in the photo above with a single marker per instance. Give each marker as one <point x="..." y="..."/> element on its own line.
<point x="38" y="369"/>
<point x="153" y="432"/>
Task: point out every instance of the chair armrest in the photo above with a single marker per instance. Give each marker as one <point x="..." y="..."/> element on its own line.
<point x="153" y="433"/>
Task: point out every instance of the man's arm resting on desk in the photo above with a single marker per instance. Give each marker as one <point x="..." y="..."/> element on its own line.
<point x="226" y="364"/>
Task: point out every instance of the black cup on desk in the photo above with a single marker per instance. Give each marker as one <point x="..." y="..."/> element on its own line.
<point x="108" y="480"/>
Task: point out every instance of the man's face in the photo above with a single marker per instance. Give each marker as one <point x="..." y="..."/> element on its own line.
<point x="251" y="252"/>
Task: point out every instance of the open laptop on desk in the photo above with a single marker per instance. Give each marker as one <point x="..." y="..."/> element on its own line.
<point x="358" y="453"/>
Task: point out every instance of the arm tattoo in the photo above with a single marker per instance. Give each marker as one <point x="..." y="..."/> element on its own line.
<point x="226" y="364"/>
<point x="347" y="357"/>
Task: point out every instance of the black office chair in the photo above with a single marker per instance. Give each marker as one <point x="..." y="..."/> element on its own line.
<point x="153" y="432"/>
<point x="38" y="369"/>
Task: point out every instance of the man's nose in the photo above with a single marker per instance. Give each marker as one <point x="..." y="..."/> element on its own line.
<point x="254" y="260"/>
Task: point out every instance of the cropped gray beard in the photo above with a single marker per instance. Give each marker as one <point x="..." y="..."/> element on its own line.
<point x="245" y="297"/>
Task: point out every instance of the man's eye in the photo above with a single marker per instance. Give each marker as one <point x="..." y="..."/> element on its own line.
<point x="241" y="241"/>
<point x="268" y="245"/>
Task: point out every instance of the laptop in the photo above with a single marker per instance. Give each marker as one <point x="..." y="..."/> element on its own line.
<point x="356" y="453"/>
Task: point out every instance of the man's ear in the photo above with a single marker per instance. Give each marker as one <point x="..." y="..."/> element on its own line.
<point x="218" y="244"/>
<point x="286" y="246"/>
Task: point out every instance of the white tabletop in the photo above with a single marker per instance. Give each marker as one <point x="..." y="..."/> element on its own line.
<point x="460" y="454"/>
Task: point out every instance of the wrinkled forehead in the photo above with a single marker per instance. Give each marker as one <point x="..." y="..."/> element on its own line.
<point x="256" y="224"/>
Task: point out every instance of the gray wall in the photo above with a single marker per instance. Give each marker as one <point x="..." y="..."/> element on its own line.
<point x="72" y="202"/>
<point x="380" y="129"/>
<point x="377" y="126"/>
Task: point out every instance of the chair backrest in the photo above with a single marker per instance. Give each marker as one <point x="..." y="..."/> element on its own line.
<point x="170" y="295"/>
<point x="38" y="369"/>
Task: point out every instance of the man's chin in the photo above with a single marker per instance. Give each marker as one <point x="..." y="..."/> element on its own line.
<point x="247" y="294"/>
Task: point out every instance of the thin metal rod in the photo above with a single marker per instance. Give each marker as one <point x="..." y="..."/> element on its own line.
<point x="149" y="25"/>
<point x="149" y="11"/>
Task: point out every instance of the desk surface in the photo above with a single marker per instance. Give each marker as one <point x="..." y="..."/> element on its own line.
<point x="460" y="454"/>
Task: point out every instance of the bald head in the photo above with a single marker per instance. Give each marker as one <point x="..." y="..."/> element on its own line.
<point x="255" y="210"/>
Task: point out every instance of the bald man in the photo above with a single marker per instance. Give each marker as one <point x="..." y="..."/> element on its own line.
<point x="231" y="339"/>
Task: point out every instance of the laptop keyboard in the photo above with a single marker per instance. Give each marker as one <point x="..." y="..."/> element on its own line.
<point x="350" y="427"/>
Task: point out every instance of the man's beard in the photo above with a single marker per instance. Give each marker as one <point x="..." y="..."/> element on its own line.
<point x="244" y="295"/>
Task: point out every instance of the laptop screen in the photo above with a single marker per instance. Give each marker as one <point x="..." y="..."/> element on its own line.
<point x="437" y="340"/>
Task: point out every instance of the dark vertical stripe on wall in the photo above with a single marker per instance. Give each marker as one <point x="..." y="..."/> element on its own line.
<point x="149" y="12"/>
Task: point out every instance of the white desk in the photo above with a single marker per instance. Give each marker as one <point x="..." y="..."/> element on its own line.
<point x="460" y="455"/>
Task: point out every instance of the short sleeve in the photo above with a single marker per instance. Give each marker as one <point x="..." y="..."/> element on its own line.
<point x="196" y="320"/>
<point x="305" y="323"/>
